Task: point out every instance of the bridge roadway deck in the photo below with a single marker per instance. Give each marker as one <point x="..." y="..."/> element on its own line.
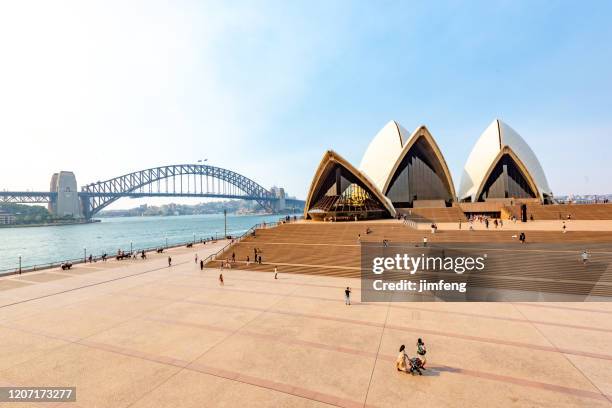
<point x="142" y="334"/>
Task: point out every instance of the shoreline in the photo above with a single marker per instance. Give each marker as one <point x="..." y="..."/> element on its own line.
<point x="100" y="218"/>
<point x="263" y="214"/>
<point x="51" y="224"/>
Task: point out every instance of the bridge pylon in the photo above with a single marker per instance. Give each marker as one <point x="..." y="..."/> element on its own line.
<point x="65" y="202"/>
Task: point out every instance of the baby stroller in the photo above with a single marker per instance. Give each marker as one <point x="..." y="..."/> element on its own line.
<point x="416" y="364"/>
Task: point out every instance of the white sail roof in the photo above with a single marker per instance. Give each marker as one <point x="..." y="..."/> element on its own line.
<point x="493" y="140"/>
<point x="383" y="152"/>
<point x="421" y="132"/>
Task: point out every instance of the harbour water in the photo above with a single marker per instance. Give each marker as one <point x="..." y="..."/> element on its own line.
<point x="41" y="245"/>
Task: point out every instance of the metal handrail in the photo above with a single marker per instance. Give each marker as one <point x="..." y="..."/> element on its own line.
<point x="212" y="257"/>
<point x="96" y="258"/>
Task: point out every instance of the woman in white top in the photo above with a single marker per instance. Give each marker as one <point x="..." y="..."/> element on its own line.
<point x="401" y="363"/>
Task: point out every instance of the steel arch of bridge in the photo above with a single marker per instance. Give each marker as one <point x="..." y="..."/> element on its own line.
<point x="98" y="195"/>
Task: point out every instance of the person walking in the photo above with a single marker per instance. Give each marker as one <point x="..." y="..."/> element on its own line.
<point x="424" y="242"/>
<point x="169" y="261"/>
<point x="201" y="264"/>
<point x="564" y="227"/>
<point x="275" y="272"/>
<point x="196" y="258"/>
<point x="221" y="283"/>
<point x="233" y="257"/>
<point x="585" y="257"/>
<point x="347" y="296"/>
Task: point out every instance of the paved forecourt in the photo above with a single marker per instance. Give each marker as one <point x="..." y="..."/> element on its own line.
<point x="142" y="334"/>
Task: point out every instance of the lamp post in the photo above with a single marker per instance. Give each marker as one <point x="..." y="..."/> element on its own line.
<point x="20" y="264"/>
<point x="131" y="247"/>
<point x="225" y="221"/>
<point x="85" y="255"/>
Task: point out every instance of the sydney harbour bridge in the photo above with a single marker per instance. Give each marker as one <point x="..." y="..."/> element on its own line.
<point x="179" y="180"/>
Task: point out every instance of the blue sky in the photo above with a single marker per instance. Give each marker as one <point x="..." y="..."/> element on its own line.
<point x="264" y="88"/>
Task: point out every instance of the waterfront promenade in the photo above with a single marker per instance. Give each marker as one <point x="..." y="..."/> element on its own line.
<point x="71" y="242"/>
<point x="142" y="334"/>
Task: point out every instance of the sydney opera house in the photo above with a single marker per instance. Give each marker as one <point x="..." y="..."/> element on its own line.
<point x="401" y="171"/>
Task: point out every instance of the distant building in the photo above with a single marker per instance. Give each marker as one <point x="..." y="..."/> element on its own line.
<point x="6" y="218"/>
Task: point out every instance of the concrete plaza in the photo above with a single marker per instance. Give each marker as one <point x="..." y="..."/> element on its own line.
<point x="141" y="334"/>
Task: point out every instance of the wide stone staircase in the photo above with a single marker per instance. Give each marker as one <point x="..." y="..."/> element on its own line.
<point x="549" y="261"/>
<point x="440" y="214"/>
<point x="577" y="211"/>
